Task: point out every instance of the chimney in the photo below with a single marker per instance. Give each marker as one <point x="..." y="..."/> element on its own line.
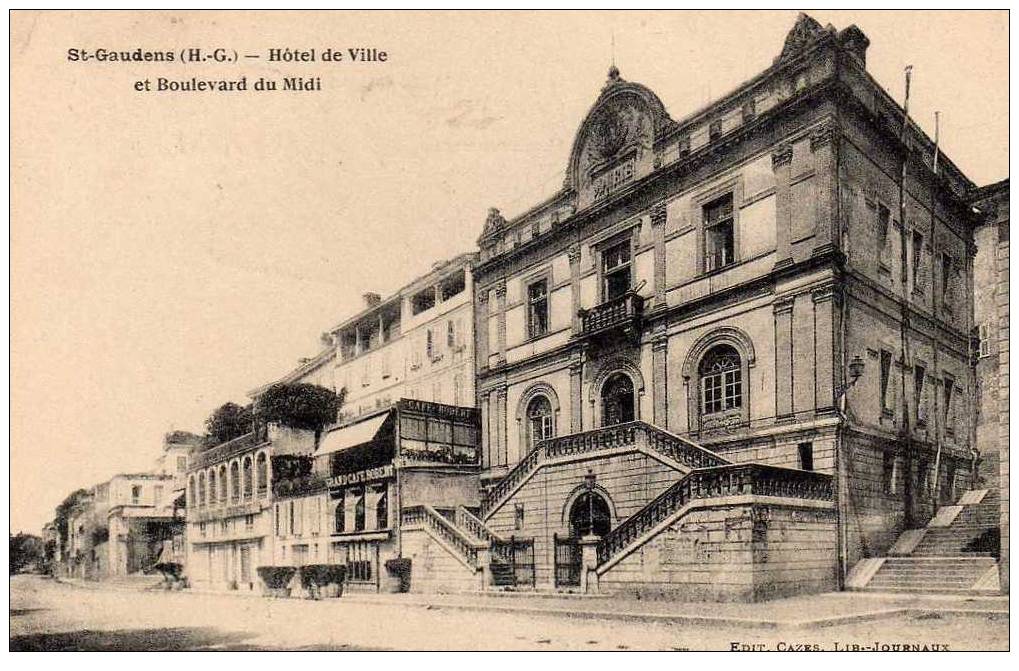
<point x="371" y="299"/>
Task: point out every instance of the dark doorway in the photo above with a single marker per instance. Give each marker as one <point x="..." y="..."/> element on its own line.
<point x="590" y="515"/>
<point x="617" y="400"/>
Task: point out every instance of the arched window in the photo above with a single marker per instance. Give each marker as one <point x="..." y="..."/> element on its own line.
<point x="339" y="517"/>
<point x="192" y="496"/>
<point x="201" y="489"/>
<point x="617" y="400"/>
<point x="262" y="473"/>
<point x="222" y="484"/>
<point x="590" y="515"/>
<point x="213" y="491"/>
<point x="721" y="374"/>
<point x="382" y="510"/>
<point x="539" y="420"/>
<point x="249" y="486"/>
<point x="235" y="482"/>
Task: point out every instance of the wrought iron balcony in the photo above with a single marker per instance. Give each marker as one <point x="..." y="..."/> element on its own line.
<point x="620" y="315"/>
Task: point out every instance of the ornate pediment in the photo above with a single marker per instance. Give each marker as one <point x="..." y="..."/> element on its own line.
<point x="804" y="33"/>
<point x="615" y="143"/>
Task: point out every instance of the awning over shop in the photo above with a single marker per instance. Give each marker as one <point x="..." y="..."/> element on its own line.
<point x="353" y="435"/>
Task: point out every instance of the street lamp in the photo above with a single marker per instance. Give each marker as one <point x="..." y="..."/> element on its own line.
<point x="589" y="481"/>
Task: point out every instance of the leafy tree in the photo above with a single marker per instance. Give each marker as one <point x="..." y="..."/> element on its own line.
<point x="227" y="422"/>
<point x="63" y="512"/>
<point x="299" y="406"/>
<point x="26" y="550"/>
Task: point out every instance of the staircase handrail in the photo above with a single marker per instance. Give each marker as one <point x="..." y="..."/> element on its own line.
<point x="681" y="449"/>
<point x="714" y="482"/>
<point x="467" y="520"/>
<point x="427" y="515"/>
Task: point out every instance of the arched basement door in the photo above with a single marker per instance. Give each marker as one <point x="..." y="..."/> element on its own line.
<point x="590" y="515"/>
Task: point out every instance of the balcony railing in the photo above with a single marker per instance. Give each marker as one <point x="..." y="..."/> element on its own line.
<point x="623" y="313"/>
<point x="228" y="449"/>
<point x="716" y="482"/>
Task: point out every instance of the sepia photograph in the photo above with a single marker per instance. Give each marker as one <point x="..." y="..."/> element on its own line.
<point x="503" y="331"/>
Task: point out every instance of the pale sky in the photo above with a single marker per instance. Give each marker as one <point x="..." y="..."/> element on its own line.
<point x="171" y="252"/>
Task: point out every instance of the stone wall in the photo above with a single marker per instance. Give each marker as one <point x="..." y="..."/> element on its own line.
<point x="741" y="551"/>
<point x="434" y="569"/>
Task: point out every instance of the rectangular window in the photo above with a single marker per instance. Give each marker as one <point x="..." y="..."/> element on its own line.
<point x="883" y="218"/>
<point x="684" y="146"/>
<point x="535" y="229"/>
<point x="277" y="520"/>
<point x="919" y="376"/>
<point x="917" y="259"/>
<point x="299" y="517"/>
<point x="715" y="130"/>
<point x="749" y="111"/>
<point x="985" y="340"/>
<point x="949" y="415"/>
<point x="386" y="369"/>
<point x="518" y="516"/>
<point x="923" y="478"/>
<point x="946" y="281"/>
<point x="429" y="344"/>
<point x="537" y="308"/>
<point x="886" y="373"/>
<point x="450" y="334"/>
<point x="616" y="274"/>
<point x="719" y="234"/>
<point x="157" y="495"/>
<point x="290" y="518"/>
<point x="806" y="451"/>
<point x="182" y="464"/>
<point x="249" y="522"/>
<point x="889" y="473"/>
<point x="136" y="494"/>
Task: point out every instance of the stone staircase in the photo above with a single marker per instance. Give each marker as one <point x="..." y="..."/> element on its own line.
<point x="956" y="553"/>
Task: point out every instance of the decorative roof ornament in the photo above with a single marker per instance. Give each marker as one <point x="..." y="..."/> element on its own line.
<point x="614" y="77"/>
<point x="494" y="222"/>
<point x="804" y="34"/>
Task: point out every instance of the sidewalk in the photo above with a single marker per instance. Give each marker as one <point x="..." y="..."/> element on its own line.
<point x="801" y="612"/>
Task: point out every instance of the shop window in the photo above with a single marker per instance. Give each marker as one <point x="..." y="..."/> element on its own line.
<point x="537" y="308"/>
<point x="382" y="510"/>
<point x="539" y="420"/>
<point x="359" y="516"/>
<point x="719" y="234"/>
<point x="616" y="270"/>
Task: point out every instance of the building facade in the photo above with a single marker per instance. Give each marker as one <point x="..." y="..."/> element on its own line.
<point x="710" y="280"/>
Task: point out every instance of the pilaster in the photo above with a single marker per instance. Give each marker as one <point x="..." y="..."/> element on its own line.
<point x="783" y="357"/>
<point x="500" y="308"/>
<point x="576" y="398"/>
<point x="781" y="164"/>
<point x="824" y="145"/>
<point x="658" y="220"/>
<point x="660" y="379"/>
<point x="574" y="256"/>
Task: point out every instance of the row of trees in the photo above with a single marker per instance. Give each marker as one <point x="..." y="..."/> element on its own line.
<point x="299" y="405"/>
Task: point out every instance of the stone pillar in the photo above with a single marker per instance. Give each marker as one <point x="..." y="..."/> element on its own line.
<point x="823" y="144"/>
<point x="502" y="457"/>
<point x="481" y="337"/>
<point x="486" y="432"/>
<point x="781" y="163"/>
<point x="589" y="564"/>
<point x="485" y="564"/>
<point x="825" y="355"/>
<point x="658" y="219"/>
<point x="500" y="311"/>
<point x="576" y="397"/>
<point x="783" y="357"/>
<point x="660" y="379"/>
<point x="574" y="256"/>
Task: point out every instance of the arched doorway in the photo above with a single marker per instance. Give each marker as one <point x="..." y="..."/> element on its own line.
<point x="589" y="515"/>
<point x="617" y="400"/>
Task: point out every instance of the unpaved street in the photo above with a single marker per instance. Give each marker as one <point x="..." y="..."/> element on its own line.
<point x="52" y="616"/>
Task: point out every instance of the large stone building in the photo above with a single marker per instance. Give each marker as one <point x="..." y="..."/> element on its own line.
<point x="759" y="278"/>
